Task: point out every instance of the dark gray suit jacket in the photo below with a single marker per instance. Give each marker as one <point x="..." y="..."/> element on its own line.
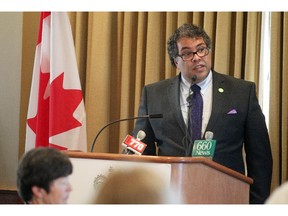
<point x="245" y="127"/>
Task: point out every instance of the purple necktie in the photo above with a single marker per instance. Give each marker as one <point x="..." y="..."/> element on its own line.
<point x="195" y="113"/>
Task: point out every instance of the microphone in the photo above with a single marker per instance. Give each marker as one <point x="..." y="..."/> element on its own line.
<point x="150" y="116"/>
<point x="204" y="148"/>
<point x="140" y="135"/>
<point x="209" y="135"/>
<point x="131" y="144"/>
<point x="194" y="78"/>
<point x="186" y="140"/>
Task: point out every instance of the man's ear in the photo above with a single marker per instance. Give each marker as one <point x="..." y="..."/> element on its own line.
<point x="38" y="192"/>
<point x="176" y="62"/>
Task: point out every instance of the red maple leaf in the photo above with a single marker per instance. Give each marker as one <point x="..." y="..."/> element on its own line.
<point x="55" y="112"/>
<point x="40" y="123"/>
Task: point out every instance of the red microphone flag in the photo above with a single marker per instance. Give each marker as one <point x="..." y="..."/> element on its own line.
<point x="134" y="145"/>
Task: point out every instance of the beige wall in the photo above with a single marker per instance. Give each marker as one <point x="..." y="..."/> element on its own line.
<point x="17" y="41"/>
<point x="10" y="72"/>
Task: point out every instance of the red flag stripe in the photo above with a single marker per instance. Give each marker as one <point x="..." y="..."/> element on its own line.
<point x="43" y="15"/>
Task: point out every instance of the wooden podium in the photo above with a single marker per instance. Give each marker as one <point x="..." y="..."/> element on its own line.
<point x="197" y="180"/>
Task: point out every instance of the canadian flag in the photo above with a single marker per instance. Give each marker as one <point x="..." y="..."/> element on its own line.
<point x="56" y="114"/>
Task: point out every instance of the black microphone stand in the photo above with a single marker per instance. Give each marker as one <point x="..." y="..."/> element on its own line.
<point x="126" y="119"/>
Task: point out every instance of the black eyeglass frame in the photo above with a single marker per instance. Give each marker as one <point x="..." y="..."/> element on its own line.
<point x="206" y="49"/>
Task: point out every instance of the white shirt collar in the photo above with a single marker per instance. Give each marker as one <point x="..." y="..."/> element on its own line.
<point x="203" y="85"/>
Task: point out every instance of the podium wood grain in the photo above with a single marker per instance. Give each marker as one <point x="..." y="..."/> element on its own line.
<point x="197" y="180"/>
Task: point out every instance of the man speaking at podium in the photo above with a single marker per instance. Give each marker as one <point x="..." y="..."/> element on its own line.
<point x="227" y="106"/>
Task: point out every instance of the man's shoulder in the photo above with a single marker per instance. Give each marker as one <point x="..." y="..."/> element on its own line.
<point x="228" y="78"/>
<point x="164" y="82"/>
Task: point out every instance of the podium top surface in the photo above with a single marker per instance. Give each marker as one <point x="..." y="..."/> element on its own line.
<point x="159" y="159"/>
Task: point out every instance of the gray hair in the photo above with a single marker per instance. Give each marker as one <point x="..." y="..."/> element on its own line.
<point x="189" y="31"/>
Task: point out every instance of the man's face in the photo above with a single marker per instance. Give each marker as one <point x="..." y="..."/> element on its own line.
<point x="59" y="192"/>
<point x="199" y="66"/>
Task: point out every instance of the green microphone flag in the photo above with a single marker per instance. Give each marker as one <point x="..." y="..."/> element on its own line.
<point x="204" y="148"/>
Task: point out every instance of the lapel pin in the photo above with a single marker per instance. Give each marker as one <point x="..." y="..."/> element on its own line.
<point x="221" y="90"/>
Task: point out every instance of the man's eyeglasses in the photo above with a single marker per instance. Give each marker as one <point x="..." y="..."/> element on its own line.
<point x="189" y="55"/>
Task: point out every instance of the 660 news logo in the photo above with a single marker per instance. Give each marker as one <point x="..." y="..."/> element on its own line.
<point x="204" y="148"/>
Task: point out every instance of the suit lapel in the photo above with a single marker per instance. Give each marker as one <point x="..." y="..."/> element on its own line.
<point x="219" y="94"/>
<point x="173" y="95"/>
<point x="220" y="91"/>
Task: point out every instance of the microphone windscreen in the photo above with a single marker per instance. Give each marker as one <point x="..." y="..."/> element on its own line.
<point x="209" y="135"/>
<point x="140" y="135"/>
<point x="194" y="78"/>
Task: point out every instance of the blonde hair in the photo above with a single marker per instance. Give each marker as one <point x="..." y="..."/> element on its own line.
<point x="136" y="186"/>
<point x="279" y="195"/>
